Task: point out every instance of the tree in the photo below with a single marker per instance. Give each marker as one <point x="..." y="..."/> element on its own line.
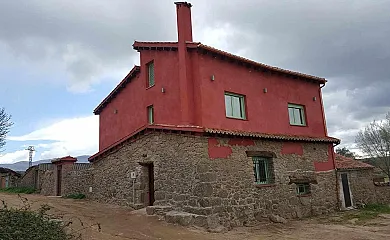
<point x="5" y="125"/>
<point x="374" y="141"/>
<point x="345" y="152"/>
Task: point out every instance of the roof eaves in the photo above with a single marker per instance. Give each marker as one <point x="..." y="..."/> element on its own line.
<point x="133" y="73"/>
<point x="257" y="64"/>
<point x="273" y="136"/>
<point x="154" y="45"/>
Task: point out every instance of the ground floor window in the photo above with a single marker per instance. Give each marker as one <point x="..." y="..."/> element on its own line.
<point x="303" y="188"/>
<point x="263" y="170"/>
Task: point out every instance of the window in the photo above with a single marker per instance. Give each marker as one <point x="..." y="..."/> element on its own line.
<point x="150" y="74"/>
<point x="303" y="188"/>
<point x="296" y="114"/>
<point x="150" y="114"/>
<point x="235" y="106"/>
<point x="263" y="168"/>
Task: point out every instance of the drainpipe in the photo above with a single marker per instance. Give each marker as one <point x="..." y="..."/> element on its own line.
<point x="337" y="182"/>
<point x="322" y="108"/>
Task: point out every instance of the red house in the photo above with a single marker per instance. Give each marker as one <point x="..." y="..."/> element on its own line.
<point x="204" y="131"/>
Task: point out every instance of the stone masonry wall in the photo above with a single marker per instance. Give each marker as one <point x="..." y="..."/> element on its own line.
<point x="187" y="179"/>
<point x="46" y="179"/>
<point x="382" y="194"/>
<point x="29" y="179"/>
<point x="363" y="189"/>
<point x="77" y="181"/>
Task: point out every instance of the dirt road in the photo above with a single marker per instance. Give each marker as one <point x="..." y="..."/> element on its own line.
<point x="120" y="223"/>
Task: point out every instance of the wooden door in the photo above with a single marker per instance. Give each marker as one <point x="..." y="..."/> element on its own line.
<point x="151" y="183"/>
<point x="346" y="190"/>
<point x="59" y="180"/>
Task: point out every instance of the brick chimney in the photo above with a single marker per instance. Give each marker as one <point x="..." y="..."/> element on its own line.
<point x="184" y="26"/>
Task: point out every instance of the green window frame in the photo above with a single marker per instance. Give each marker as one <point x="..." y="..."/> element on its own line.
<point x="150" y="110"/>
<point x="235" y="106"/>
<point x="150" y="67"/>
<point x="296" y="114"/>
<point x="303" y="188"/>
<point x="263" y="170"/>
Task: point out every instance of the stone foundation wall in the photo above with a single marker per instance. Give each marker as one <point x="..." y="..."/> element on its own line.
<point x="186" y="178"/>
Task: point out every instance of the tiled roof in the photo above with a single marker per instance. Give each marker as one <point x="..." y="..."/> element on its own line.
<point x="261" y="65"/>
<point x="345" y="163"/>
<point x="199" y="129"/>
<point x="117" y="89"/>
<point x="273" y="136"/>
<point x="198" y="45"/>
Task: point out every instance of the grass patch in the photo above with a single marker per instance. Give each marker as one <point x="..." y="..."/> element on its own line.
<point x="75" y="196"/>
<point x="369" y="212"/>
<point x="25" y="190"/>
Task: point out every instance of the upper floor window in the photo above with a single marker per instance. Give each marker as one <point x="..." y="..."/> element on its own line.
<point x="296" y="114"/>
<point x="150" y="114"/>
<point x="263" y="170"/>
<point x="150" y="67"/>
<point x="235" y="105"/>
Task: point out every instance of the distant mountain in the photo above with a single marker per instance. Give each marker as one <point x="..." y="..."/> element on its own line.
<point x="23" y="165"/>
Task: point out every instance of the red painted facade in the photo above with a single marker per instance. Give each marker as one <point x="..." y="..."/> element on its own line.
<point x="189" y="91"/>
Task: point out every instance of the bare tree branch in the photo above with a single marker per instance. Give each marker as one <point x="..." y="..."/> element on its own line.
<point x="374" y="141"/>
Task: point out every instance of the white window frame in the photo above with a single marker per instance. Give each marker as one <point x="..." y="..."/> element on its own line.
<point x="150" y="110"/>
<point x="230" y="104"/>
<point x="296" y="114"/>
<point x="151" y="76"/>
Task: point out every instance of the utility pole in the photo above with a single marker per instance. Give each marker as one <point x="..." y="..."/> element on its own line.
<point x="30" y="150"/>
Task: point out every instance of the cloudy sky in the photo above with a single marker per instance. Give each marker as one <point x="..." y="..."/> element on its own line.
<point x="59" y="58"/>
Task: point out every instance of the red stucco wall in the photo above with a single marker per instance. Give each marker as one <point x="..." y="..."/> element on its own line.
<point x="132" y="101"/>
<point x="266" y="112"/>
<point x="201" y="101"/>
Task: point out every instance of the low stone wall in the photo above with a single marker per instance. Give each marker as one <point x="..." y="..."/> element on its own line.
<point x="46" y="180"/>
<point x="30" y="178"/>
<point x="77" y="181"/>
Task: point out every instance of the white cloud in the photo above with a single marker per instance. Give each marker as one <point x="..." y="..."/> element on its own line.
<point x="12" y="157"/>
<point x="74" y="136"/>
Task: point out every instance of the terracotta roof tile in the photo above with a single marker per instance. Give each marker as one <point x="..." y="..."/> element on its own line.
<point x="273" y="136"/>
<point x="349" y="163"/>
<point x="262" y="65"/>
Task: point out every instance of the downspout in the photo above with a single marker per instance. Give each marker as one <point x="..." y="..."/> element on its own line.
<point x="337" y="182"/>
<point x="322" y="109"/>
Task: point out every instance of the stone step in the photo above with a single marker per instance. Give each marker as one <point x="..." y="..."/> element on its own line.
<point x="158" y="210"/>
<point x="186" y="219"/>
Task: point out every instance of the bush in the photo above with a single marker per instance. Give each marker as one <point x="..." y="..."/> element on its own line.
<point x="26" y="190"/>
<point x="21" y="224"/>
<point x="75" y="196"/>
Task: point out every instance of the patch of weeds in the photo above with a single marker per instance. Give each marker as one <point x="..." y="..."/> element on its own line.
<point x="25" y="223"/>
<point x="75" y="196"/>
<point x="369" y="212"/>
<point x="25" y="190"/>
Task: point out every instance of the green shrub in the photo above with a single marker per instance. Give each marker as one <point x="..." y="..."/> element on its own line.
<point x="75" y="196"/>
<point x="26" y="190"/>
<point x="21" y="224"/>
